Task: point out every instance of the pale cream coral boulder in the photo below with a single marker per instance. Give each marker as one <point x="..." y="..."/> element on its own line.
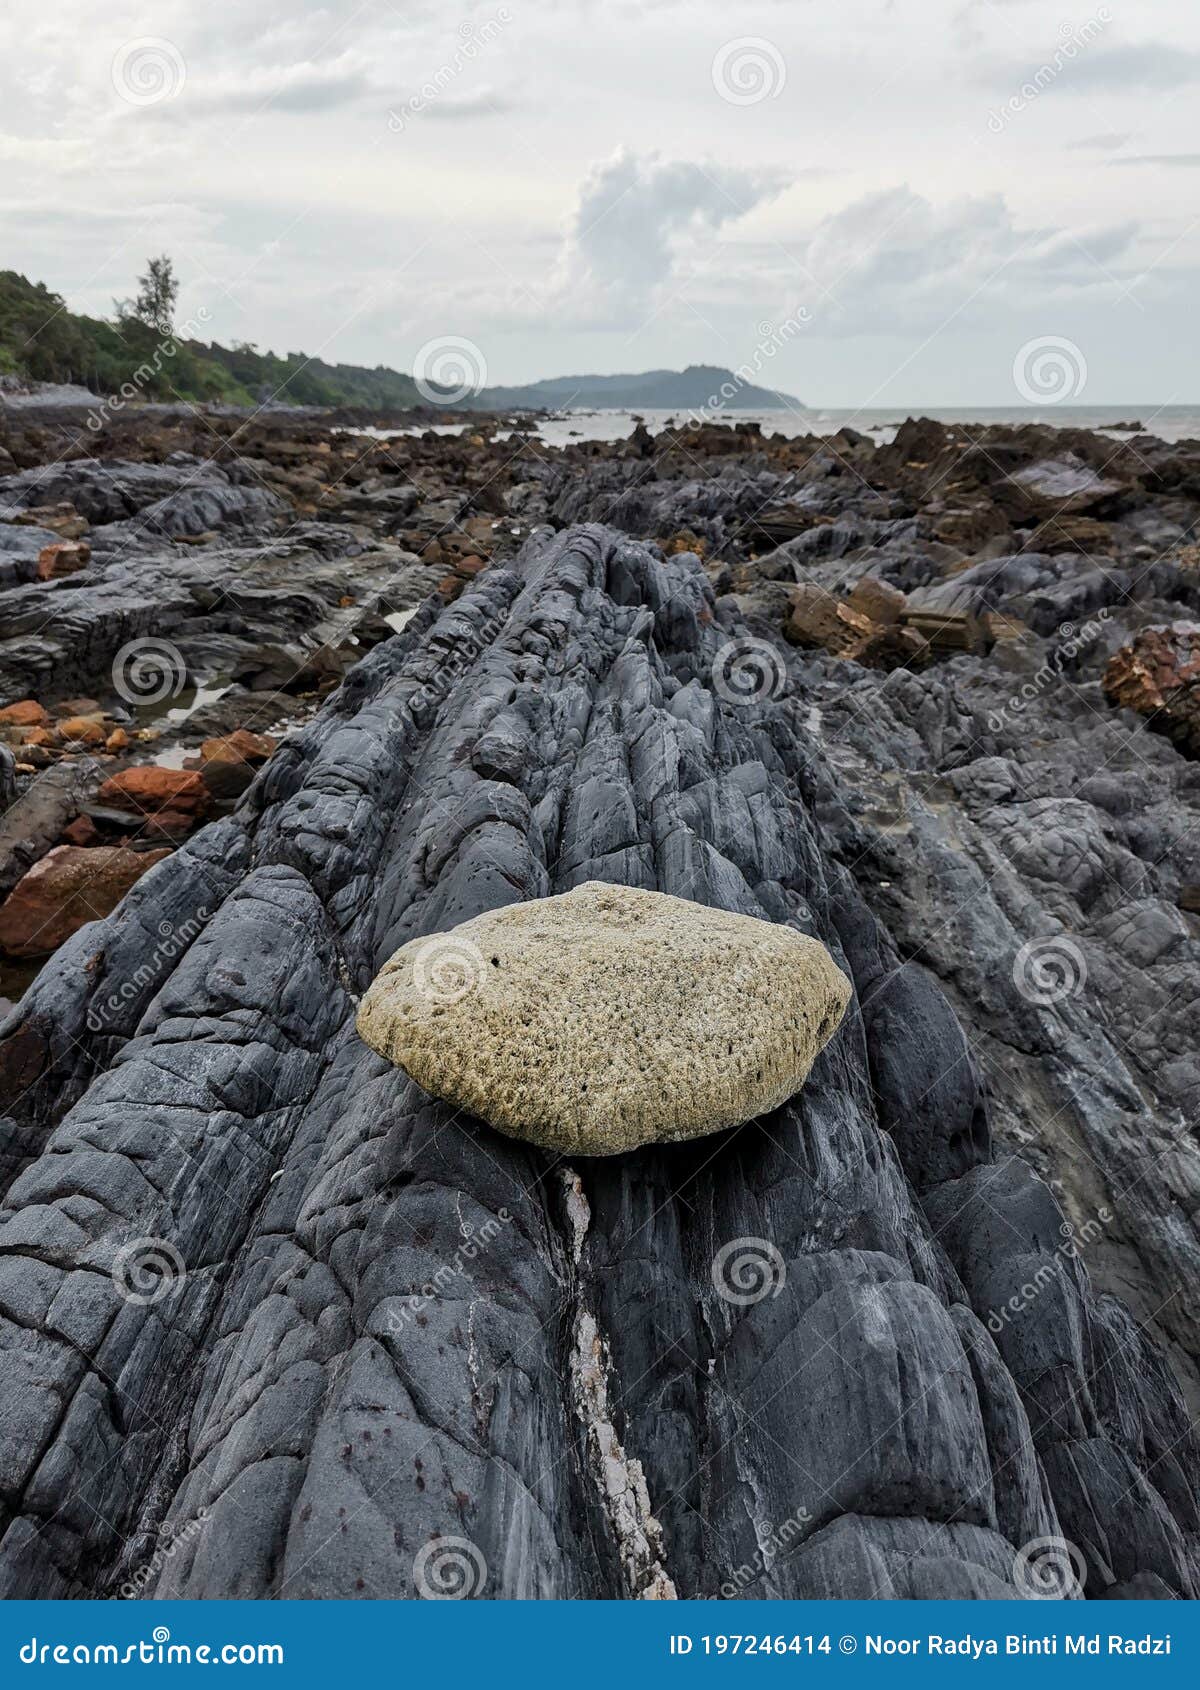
<point x="607" y="1018"/>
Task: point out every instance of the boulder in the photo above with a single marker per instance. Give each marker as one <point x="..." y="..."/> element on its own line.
<point x="27" y="714"/>
<point x="242" y="746"/>
<point x="817" y="618"/>
<point x="867" y="627"/>
<point x="149" y="788"/>
<point x="81" y="730"/>
<point x="228" y="764"/>
<point x="1056" y="487"/>
<point x="608" y="1018"/>
<point x="69" y="887"/>
<point x="226" y="779"/>
<point x="1067" y="533"/>
<point x="82" y="831"/>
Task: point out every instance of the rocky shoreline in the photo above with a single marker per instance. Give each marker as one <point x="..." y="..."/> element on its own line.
<point x="932" y="702"/>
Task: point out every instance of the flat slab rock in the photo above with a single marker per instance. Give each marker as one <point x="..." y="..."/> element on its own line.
<point x="608" y="1018"/>
<point x="275" y="1324"/>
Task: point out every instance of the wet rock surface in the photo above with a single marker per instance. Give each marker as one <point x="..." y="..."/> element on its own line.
<point x="267" y="1302"/>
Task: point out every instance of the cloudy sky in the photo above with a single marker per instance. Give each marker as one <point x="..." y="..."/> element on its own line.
<point x="874" y="201"/>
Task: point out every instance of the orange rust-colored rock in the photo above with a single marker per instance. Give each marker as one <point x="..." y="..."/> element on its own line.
<point x="684" y="541"/>
<point x="867" y="627"/>
<point x="173" y="825"/>
<point x="69" y="887"/>
<point x="818" y="618"/>
<point x="149" y="788"/>
<point x="81" y="730"/>
<point x="82" y="831"/>
<point x="241" y="746"/>
<point x="1069" y="533"/>
<point x="62" y="519"/>
<point x="464" y="569"/>
<point x="27" y="714"/>
<point x="64" y="557"/>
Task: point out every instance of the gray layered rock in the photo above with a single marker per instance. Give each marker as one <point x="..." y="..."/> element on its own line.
<point x="267" y="613"/>
<point x="1038" y="853"/>
<point x="277" y="1324"/>
<point x="184" y="497"/>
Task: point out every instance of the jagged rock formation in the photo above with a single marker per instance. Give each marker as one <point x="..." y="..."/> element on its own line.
<point x="265" y="613"/>
<point x="1037" y="850"/>
<point x="265" y="1300"/>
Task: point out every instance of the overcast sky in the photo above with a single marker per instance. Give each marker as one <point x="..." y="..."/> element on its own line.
<point x="873" y="201"/>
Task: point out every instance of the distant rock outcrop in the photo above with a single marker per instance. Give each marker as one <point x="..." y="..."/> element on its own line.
<point x="701" y="387"/>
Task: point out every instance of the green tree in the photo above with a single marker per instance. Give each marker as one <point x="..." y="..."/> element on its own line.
<point x="157" y="293"/>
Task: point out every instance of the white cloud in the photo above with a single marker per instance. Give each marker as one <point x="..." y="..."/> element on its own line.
<point x="1133" y="68"/>
<point x="1105" y="143"/>
<point x="640" y="221"/>
<point x="302" y="86"/>
<point x="1176" y="161"/>
<point x="894" y="259"/>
